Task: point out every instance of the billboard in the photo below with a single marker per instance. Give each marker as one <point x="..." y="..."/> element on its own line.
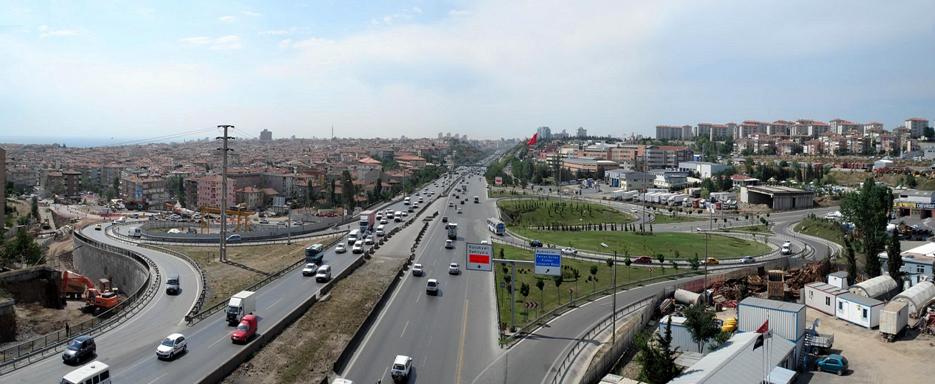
<point x="478" y="257"/>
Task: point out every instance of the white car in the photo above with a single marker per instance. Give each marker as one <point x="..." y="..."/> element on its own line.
<point x="384" y="221"/>
<point x="404" y="213"/>
<point x="401" y="367"/>
<point x="369" y="240"/>
<point x="171" y="346"/>
<point x="431" y="287"/>
<point x="358" y="247"/>
<point x="786" y="248"/>
<point x="309" y="269"/>
<point x="569" y="251"/>
<point x="449" y="244"/>
<point x="341" y="248"/>
<point x="417" y="270"/>
<point x="379" y="232"/>
<point x="454" y="269"/>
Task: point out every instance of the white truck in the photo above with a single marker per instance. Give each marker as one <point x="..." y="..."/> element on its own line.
<point x="241" y="304"/>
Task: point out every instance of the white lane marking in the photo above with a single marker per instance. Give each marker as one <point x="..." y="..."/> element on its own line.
<point x="404" y="328"/>
<point x="157" y="379"/>
<point x="216" y="342"/>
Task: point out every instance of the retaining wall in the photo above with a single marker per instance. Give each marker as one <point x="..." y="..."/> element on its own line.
<point x="33" y="285"/>
<point x="124" y="273"/>
<point x="7" y="320"/>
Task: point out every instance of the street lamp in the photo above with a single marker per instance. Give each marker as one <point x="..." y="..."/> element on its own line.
<point x="613" y="313"/>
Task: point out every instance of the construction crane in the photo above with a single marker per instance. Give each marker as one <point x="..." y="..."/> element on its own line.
<point x="242" y="217"/>
<point x="77" y="286"/>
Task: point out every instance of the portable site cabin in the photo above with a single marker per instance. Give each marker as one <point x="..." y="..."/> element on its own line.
<point x="681" y="337"/>
<point x="786" y="321"/>
<point x="838" y="279"/>
<point x="860" y="310"/>
<point x="821" y="296"/>
<point x="880" y="287"/>
<point x="917" y="297"/>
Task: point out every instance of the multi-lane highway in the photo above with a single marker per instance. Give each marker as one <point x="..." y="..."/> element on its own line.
<point x="129" y="349"/>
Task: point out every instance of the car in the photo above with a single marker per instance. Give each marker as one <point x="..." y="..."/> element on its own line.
<point x="459" y="210"/>
<point x="484" y="242"/>
<point x="643" y="260"/>
<point x="833" y="363"/>
<point x="405" y="214"/>
<point x="358" y="247"/>
<point x="245" y="330"/>
<point x="171" y="346"/>
<point x="449" y="244"/>
<point x="235" y="238"/>
<point x="264" y="221"/>
<point x="786" y="248"/>
<point x="379" y="232"/>
<point x="444" y="219"/>
<point x="451" y="205"/>
<point x="535" y="243"/>
<point x="172" y="285"/>
<point x="296" y="223"/>
<point x="309" y="269"/>
<point x="79" y="349"/>
<point x="368" y="240"/>
<point x="454" y="269"/>
<point x="384" y="221"/>
<point x="431" y="287"/>
<point x="402" y="365"/>
<point x="747" y="260"/>
<point x="569" y="251"/>
<point x="97" y="227"/>
<point x="711" y="261"/>
<point x="417" y="270"/>
<point x="341" y="248"/>
<point x="323" y="275"/>
<point x="408" y="210"/>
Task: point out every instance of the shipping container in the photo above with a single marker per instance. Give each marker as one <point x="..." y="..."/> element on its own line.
<point x="893" y="318"/>
<point x="821" y="296"/>
<point x="860" y="310"/>
<point x="786" y="320"/>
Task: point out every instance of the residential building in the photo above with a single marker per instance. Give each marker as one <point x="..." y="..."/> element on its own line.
<point x="703" y="130"/>
<point x="582" y="133"/>
<point x="666" y="156"/>
<point x="545" y="133"/>
<point x="410" y="161"/>
<point x="144" y="189"/>
<point x="629" y="180"/>
<point x="669" y="132"/>
<point x="51" y="182"/>
<point x="779" y="128"/>
<point x="916" y="126"/>
<point x="72" y="182"/>
<point x="266" y="135"/>
<point x="918" y="264"/>
<point x="843" y="127"/>
<point x="209" y="192"/>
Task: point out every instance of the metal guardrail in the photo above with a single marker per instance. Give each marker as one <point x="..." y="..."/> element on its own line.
<point x="569" y="359"/>
<point x="196" y="307"/>
<point x="39" y="348"/>
<point x="600" y="367"/>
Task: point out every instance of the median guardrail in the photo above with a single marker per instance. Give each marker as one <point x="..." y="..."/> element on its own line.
<point x="33" y="350"/>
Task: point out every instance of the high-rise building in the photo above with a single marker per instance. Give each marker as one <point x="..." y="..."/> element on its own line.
<point x="2" y="187"/>
<point x="669" y="132"/>
<point x="266" y="135"/>
<point x="582" y="132"/>
<point x="545" y="133"/>
<point x="916" y="126"/>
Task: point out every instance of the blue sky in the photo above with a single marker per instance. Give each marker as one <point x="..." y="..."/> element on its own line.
<point x="485" y="68"/>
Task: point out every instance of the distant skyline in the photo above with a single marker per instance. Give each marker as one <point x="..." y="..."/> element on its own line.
<point x="488" y="69"/>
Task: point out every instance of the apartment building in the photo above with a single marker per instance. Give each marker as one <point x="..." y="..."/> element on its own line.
<point x="144" y="189"/>
<point x="843" y="127"/>
<point x="72" y="184"/>
<point x="209" y="191"/>
<point x="666" y="156"/>
<point x="780" y="128"/>
<point x="916" y="126"/>
<point x="673" y="132"/>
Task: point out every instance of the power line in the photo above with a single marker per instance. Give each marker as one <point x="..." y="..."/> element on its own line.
<point x="161" y="138"/>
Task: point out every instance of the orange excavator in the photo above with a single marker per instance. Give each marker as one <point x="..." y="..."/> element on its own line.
<point x="77" y="286"/>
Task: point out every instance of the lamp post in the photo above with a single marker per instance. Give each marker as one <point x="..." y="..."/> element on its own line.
<point x="613" y="311"/>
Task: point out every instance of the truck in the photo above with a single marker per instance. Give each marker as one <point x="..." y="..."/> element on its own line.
<point x="893" y="318"/>
<point x="367" y="219"/>
<point x="241" y="304"/>
<point x="452" y="231"/>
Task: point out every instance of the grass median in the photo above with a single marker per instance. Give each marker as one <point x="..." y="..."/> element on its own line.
<point x="539" y="212"/>
<point x="551" y="296"/>
<point x="671" y="219"/>
<point x="673" y="245"/>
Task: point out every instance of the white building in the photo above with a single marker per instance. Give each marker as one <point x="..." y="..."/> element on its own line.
<point x="860" y="310"/>
<point x="882" y="286"/>
<point x="741" y="361"/>
<point x="629" y="180"/>
<point x="918" y="263"/>
<point x="916" y="126"/>
<point x="821" y="296"/>
<point x="681" y="337"/>
<point x="704" y="169"/>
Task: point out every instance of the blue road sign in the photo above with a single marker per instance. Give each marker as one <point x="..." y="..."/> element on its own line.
<point x="548" y="262"/>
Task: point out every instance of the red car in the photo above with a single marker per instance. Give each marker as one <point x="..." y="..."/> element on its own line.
<point x="245" y="331"/>
<point x="643" y="260"/>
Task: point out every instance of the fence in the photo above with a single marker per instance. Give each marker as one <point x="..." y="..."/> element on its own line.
<point x="38" y="348"/>
<point x="201" y="275"/>
<point x="645" y="307"/>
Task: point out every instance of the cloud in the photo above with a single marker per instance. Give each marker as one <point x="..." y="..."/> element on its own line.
<point x="222" y="43"/>
<point x="274" y="32"/>
<point x="417" y="10"/>
<point x="286" y="43"/>
<point x="458" y="12"/>
<point x="227" y="19"/>
<point x="251" y="13"/>
<point x="46" y="31"/>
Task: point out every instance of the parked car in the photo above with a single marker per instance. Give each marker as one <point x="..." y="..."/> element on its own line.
<point x="535" y="243"/>
<point x="833" y="363"/>
<point x="341" y="248"/>
<point x="171" y="346"/>
<point x="454" y="269"/>
<point x="309" y="269"/>
<point x="245" y="330"/>
<point x="79" y="349"/>
<point x="747" y="260"/>
<point x="643" y="260"/>
<point x="417" y="270"/>
<point x="431" y="287"/>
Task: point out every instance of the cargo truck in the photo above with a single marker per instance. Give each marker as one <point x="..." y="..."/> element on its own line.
<point x="453" y="231"/>
<point x="367" y="219"/>
<point x="240" y="305"/>
<point x="893" y="318"/>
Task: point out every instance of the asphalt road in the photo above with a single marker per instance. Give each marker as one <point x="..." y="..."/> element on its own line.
<point x="452" y="336"/>
<point x="129" y="349"/>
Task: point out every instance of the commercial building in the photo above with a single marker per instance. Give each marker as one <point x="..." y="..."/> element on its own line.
<point x="918" y="264"/>
<point x="666" y="156"/>
<point x="776" y="197"/>
<point x="914" y="202"/>
<point x="821" y="296"/>
<point x="586" y="165"/>
<point x="861" y="310"/>
<point x="629" y="180"/>
<point x="704" y="169"/>
<point x="918" y="297"/>
<point x="668" y="179"/>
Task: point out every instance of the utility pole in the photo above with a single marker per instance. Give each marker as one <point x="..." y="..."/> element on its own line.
<point x="224" y="149"/>
<point x="513" y="297"/>
<point x="613" y="334"/>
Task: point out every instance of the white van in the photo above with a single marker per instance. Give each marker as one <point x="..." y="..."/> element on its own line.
<point x="406" y="201"/>
<point x="352" y="236"/>
<point x="136" y="232"/>
<point x="380" y="230"/>
<point x="93" y="372"/>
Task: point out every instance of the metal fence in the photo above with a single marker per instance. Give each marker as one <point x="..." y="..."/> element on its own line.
<point x="647" y="305"/>
<point x="196" y="307"/>
<point x="38" y="348"/>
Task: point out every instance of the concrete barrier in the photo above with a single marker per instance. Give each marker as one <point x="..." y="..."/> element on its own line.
<point x="126" y="273"/>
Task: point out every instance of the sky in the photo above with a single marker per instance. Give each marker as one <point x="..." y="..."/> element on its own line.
<point x="488" y="69"/>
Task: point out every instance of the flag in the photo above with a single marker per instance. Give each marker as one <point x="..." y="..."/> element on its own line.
<point x="759" y="342"/>
<point x="533" y="139"/>
<point x="762" y="330"/>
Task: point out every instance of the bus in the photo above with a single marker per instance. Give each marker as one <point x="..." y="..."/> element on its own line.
<point x="496" y="226"/>
<point x="314" y="254"/>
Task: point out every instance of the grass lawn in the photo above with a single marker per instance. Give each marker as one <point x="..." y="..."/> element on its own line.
<point x="666" y="243"/>
<point x="552" y="296"/>
<point x="532" y="212"/>
<point x="224" y="280"/>
<point x="750" y="229"/>
<point x="667" y="219"/>
<point x="826" y="229"/>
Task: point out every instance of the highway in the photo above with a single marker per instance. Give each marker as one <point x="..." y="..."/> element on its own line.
<point x="129" y="349"/>
<point x="452" y="336"/>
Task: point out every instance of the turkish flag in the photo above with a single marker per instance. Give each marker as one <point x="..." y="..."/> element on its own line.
<point x="763" y="328"/>
<point x="533" y="139"/>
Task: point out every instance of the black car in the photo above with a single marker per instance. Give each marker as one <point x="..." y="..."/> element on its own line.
<point x="79" y="349"/>
<point x="535" y="243"/>
<point x="445" y="219"/>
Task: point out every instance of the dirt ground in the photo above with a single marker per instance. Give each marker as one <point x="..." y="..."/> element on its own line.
<point x="872" y="360"/>
<point x="306" y="350"/>
<point x="225" y="279"/>
<point x="35" y="320"/>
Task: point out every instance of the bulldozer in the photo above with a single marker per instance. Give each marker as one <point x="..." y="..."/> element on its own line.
<point x="80" y="287"/>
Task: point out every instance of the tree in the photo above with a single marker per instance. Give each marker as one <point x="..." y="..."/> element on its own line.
<point x="22" y="249"/>
<point x="540" y="284"/>
<point x="378" y="189"/>
<point x="593" y="277"/>
<point x="347" y="190"/>
<point x="674" y="264"/>
<point x="700" y="323"/>
<point x="851" y="258"/>
<point x="558" y="283"/>
<point x="894" y="259"/>
<point x="694" y="262"/>
<point x="658" y="361"/>
<point x="869" y="209"/>
<point x="34" y="208"/>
